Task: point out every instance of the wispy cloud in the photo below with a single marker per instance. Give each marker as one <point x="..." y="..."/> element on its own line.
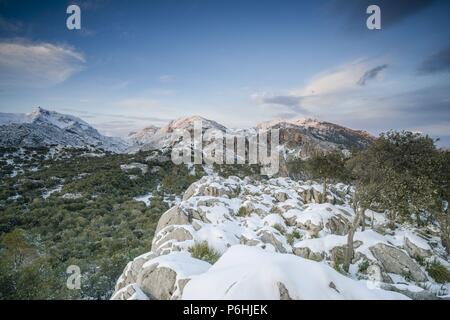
<point x="439" y="62"/>
<point x="325" y="87"/>
<point x="42" y="64"/>
<point x="371" y="74"/>
<point x="355" y="95"/>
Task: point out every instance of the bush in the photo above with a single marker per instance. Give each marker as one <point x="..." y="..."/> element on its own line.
<point x="279" y="228"/>
<point x="362" y="267"/>
<point x="203" y="252"/>
<point x="292" y="236"/>
<point x="438" y="272"/>
<point x="243" y="212"/>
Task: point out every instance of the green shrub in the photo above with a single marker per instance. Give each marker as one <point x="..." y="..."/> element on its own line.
<point x="362" y="267"/>
<point x="438" y="272"/>
<point x="292" y="236"/>
<point x="279" y="228"/>
<point x="243" y="212"/>
<point x="203" y="252"/>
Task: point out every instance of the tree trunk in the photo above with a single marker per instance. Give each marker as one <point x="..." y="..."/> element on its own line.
<point x="324" y="195"/>
<point x="373" y="221"/>
<point x="363" y="220"/>
<point x="351" y="234"/>
<point x="444" y="223"/>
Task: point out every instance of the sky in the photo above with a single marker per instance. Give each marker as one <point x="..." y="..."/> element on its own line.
<point x="139" y="63"/>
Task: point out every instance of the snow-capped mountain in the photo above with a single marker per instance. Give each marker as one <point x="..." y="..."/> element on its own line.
<point x="166" y="136"/>
<point x="142" y="136"/>
<point x="298" y="138"/>
<point x="42" y="127"/>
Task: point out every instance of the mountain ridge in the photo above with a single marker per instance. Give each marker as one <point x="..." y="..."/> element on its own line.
<point x="299" y="137"/>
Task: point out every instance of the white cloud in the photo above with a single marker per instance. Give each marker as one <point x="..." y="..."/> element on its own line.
<point x="336" y="91"/>
<point x="27" y="64"/>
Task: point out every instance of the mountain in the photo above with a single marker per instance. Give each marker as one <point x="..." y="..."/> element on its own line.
<point x="142" y="136"/>
<point x="304" y="136"/>
<point x="299" y="138"/>
<point x="166" y="137"/>
<point x="42" y="127"/>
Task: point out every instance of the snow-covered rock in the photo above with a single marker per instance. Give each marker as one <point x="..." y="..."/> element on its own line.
<point x="251" y="273"/>
<point x="275" y="245"/>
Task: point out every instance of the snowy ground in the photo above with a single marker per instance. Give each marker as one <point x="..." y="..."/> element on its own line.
<point x="275" y="241"/>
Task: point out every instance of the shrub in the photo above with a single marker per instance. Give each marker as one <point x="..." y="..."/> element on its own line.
<point x="279" y="228"/>
<point x="438" y="272"/>
<point x="243" y="212"/>
<point x="292" y="236"/>
<point x="362" y="267"/>
<point x="203" y="252"/>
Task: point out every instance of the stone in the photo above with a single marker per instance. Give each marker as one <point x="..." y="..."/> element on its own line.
<point x="129" y="274"/>
<point x="416" y="251"/>
<point x="178" y="234"/>
<point x="173" y="216"/>
<point x="308" y="254"/>
<point x="157" y="282"/>
<point x="338" y="225"/>
<point x="281" y="196"/>
<point x="267" y="237"/>
<point x="130" y="292"/>
<point x="396" y="261"/>
<point x="284" y="293"/>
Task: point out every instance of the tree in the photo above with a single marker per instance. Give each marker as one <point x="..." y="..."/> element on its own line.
<point x="441" y="185"/>
<point x="327" y="166"/>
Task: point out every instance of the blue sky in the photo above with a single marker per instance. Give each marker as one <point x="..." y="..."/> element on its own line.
<point x="135" y="63"/>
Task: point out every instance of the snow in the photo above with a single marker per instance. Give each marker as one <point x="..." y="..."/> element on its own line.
<point x="368" y="238"/>
<point x="249" y="273"/>
<point x="146" y="198"/>
<point x="255" y="256"/>
<point x="48" y="193"/>
<point x="52" y="128"/>
<point x="181" y="262"/>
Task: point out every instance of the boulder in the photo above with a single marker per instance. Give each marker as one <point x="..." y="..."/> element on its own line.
<point x="281" y="196"/>
<point x="165" y="277"/>
<point x="284" y="293"/>
<point x="190" y="191"/>
<point x="311" y="196"/>
<point x="338" y="224"/>
<point x="129" y="274"/>
<point x="158" y="282"/>
<point x="396" y="261"/>
<point x="170" y="235"/>
<point x="130" y="292"/>
<point x="415" y="251"/>
<point x="308" y="254"/>
<point x="267" y="237"/>
<point x="173" y="216"/>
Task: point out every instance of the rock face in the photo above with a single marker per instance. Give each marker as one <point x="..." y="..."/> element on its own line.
<point x="161" y="278"/>
<point x="270" y="221"/>
<point x="396" y="261"/>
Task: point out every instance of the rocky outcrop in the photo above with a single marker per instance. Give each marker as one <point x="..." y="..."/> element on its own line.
<point x="416" y="251"/>
<point x="271" y="216"/>
<point x="396" y="261"/>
